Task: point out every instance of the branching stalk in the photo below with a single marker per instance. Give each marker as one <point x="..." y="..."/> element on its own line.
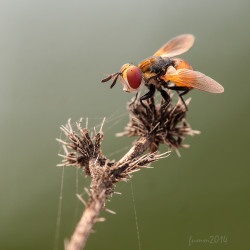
<point x="158" y="124"/>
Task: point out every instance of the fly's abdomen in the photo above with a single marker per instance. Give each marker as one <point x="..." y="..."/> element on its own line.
<point x="181" y="64"/>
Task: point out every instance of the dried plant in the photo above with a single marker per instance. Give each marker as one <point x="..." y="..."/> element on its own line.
<point x="158" y="124"/>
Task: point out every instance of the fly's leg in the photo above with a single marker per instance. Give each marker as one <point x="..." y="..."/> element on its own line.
<point x="166" y="97"/>
<point x="184" y="90"/>
<point x="147" y="95"/>
<point x="132" y="103"/>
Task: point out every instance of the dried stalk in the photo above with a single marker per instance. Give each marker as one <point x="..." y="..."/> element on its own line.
<point x="159" y="124"/>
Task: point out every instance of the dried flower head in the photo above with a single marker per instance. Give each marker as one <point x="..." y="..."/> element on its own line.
<point x="81" y="148"/>
<point x="166" y="123"/>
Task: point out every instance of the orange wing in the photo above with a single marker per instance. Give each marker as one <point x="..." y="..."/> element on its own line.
<point x="192" y="79"/>
<point x="176" y="46"/>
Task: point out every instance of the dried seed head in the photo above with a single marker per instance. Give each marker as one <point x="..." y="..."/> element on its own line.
<point x="166" y="123"/>
<point x="80" y="148"/>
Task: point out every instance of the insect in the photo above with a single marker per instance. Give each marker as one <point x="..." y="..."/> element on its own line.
<point x="164" y="70"/>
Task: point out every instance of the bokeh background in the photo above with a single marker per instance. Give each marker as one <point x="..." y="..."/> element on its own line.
<point x="53" y="55"/>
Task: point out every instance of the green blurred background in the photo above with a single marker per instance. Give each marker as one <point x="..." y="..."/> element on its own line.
<point x="53" y="56"/>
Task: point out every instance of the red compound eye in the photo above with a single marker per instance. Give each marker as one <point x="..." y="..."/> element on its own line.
<point x="134" y="77"/>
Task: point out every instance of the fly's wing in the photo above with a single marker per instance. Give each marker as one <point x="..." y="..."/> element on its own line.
<point x="192" y="79"/>
<point x="176" y="46"/>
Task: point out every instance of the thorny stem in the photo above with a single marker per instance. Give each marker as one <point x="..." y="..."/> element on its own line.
<point x="160" y="124"/>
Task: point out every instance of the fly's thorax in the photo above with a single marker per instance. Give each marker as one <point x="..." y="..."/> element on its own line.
<point x="154" y="66"/>
<point x="146" y="64"/>
<point x="159" y="64"/>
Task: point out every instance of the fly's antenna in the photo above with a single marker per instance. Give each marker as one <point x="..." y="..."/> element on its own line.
<point x="115" y="76"/>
